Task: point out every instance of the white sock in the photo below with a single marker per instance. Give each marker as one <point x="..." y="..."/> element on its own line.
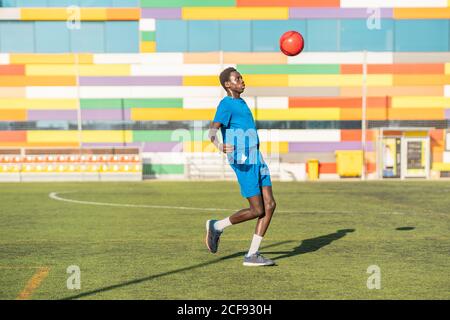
<point x="222" y="224"/>
<point x="254" y="247"/>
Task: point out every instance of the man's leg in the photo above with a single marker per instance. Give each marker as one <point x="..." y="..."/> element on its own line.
<point x="215" y="228"/>
<point x="269" y="208"/>
<point x="256" y="210"/>
<point x="263" y="223"/>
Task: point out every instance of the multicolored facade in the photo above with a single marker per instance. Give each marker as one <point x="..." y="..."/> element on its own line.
<point x="106" y="73"/>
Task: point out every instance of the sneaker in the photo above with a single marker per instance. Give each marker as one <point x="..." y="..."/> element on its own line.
<point x="256" y="260"/>
<point x="212" y="236"/>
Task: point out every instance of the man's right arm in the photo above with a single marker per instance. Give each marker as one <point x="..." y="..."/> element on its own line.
<point x="213" y="128"/>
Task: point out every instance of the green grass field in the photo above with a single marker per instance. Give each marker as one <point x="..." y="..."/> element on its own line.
<point x="323" y="237"/>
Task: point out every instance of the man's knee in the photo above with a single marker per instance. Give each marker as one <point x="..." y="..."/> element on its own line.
<point x="257" y="212"/>
<point x="270" y="206"/>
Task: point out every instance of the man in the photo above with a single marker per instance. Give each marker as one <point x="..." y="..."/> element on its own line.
<point x="241" y="144"/>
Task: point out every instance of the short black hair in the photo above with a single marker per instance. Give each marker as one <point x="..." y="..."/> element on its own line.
<point x="225" y="76"/>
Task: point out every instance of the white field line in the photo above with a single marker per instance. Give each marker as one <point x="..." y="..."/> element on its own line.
<point x="54" y="196"/>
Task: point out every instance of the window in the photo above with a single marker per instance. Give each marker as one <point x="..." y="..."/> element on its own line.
<point x="122" y="36"/>
<point x="52" y="36"/>
<point x="16" y="36"/>
<point x="422" y="35"/>
<point x="171" y="35"/>
<point x="203" y="36"/>
<point x="235" y="36"/>
<point x="356" y="36"/>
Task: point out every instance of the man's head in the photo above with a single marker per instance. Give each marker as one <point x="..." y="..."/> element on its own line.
<point x="231" y="80"/>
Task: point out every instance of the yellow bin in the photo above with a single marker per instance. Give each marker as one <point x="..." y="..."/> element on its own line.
<point x="349" y="163"/>
<point x="313" y="169"/>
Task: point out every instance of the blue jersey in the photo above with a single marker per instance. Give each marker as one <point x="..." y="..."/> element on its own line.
<point x="238" y="126"/>
<point x="239" y="129"/>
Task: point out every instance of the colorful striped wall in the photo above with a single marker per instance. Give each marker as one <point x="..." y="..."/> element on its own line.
<point x="145" y="73"/>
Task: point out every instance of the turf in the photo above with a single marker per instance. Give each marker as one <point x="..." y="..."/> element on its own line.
<point x="323" y="238"/>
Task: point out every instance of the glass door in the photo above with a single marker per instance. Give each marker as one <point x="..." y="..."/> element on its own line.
<point x="416" y="157"/>
<point x="391" y="157"/>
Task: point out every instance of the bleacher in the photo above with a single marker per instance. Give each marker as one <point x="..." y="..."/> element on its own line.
<point x="70" y="164"/>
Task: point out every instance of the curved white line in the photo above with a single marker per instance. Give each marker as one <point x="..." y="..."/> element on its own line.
<point x="54" y="196"/>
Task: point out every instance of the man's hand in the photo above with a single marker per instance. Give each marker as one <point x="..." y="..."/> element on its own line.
<point x="213" y="128"/>
<point x="226" y="148"/>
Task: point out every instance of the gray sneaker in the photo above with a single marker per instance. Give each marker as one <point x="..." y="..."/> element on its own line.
<point x="212" y="236"/>
<point x="256" y="260"/>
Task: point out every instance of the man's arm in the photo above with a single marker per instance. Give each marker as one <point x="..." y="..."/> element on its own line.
<point x="213" y="128"/>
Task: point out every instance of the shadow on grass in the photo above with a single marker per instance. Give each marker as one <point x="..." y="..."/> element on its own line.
<point x="168" y="273"/>
<point x="306" y="246"/>
<point x="405" y="228"/>
<point x="312" y="244"/>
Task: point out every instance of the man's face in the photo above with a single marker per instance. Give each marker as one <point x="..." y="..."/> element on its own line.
<point x="236" y="83"/>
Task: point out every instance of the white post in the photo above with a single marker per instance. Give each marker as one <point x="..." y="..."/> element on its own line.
<point x="221" y="68"/>
<point x="80" y="128"/>
<point x="379" y="154"/>
<point x="363" y="115"/>
<point x="222" y="95"/>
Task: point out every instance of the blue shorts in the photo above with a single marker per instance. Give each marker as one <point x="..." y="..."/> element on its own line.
<point x="252" y="176"/>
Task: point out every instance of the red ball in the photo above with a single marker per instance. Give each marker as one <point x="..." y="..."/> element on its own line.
<point x="291" y="43"/>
